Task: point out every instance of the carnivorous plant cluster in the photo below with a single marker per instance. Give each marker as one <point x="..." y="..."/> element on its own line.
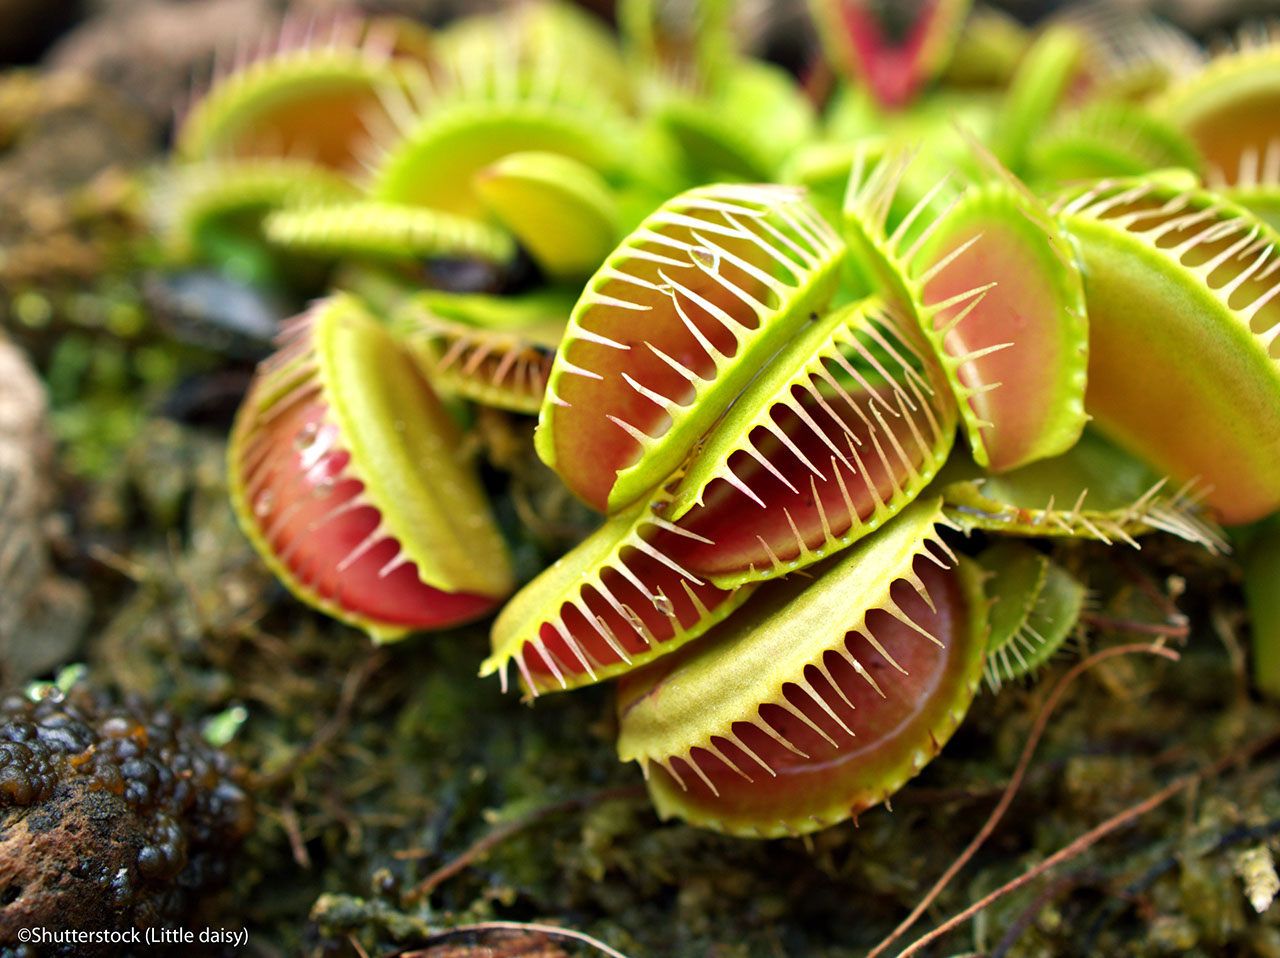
<point x="792" y="342"/>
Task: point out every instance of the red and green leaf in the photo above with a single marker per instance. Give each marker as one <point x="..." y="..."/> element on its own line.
<point x="1184" y="370"/>
<point x="347" y="476"/>
<point x="819" y="697"/>
<point x="673" y="326"/>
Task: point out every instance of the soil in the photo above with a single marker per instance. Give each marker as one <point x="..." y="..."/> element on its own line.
<point x="373" y="768"/>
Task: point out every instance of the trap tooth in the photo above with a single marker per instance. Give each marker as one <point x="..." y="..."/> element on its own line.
<point x="819" y="697"/>
<point x="1257" y="186"/>
<point x="1183" y="293"/>
<point x="672" y="327"/>
<point x="615" y="602"/>
<point x="347" y="476"/>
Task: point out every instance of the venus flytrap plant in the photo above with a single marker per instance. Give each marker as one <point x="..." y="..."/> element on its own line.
<point x="788" y="405"/>
<point x="491" y="89"/>
<point x="252" y="141"/>
<point x="506" y="130"/>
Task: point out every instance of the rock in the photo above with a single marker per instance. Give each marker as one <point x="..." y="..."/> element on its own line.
<point x="111" y="817"/>
<point x="42" y="616"/>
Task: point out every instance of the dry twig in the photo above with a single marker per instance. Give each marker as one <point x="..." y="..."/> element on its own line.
<point x="1033" y="739"/>
<point x="549" y="931"/>
<point x="1092" y="836"/>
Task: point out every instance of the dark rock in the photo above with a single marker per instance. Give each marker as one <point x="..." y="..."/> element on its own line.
<point x="111" y="817"/>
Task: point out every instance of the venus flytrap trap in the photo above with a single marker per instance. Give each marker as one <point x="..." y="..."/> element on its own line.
<point x="251" y="143"/>
<point x="1228" y="108"/>
<point x="615" y="602"/>
<point x="671" y="329"/>
<point x="493" y="350"/>
<point x="1005" y="311"/>
<point x="1024" y="330"/>
<point x="1175" y="273"/>
<point x="752" y="732"/>
<point x="263" y="104"/>
<point x="1094" y="491"/>
<point x="830" y="441"/>
<point x="1035" y="606"/>
<point x="346" y="473"/>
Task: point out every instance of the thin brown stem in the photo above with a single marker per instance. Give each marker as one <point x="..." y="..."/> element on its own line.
<point x="550" y="931"/>
<point x="1092" y="836"/>
<point x="1166" y="629"/>
<point x="1033" y="739"/>
<point x="1063" y="883"/>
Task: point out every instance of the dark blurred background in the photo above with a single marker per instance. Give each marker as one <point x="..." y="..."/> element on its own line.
<point x="144" y="59"/>
<point x="30" y="28"/>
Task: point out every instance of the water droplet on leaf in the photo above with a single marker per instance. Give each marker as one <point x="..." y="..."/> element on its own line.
<point x="263" y="502"/>
<point x="707" y="258"/>
<point x="306" y="436"/>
